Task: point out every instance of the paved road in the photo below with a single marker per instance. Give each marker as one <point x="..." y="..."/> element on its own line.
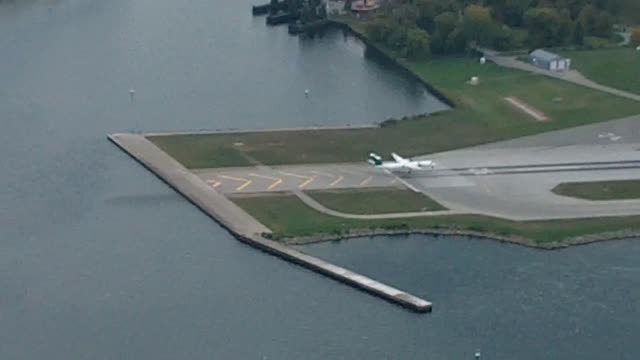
<point x="572" y="76"/>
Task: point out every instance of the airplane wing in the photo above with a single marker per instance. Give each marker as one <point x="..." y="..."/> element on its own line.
<point x="397" y="157"/>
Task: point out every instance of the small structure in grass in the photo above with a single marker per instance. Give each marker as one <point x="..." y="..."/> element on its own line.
<point x="549" y="61"/>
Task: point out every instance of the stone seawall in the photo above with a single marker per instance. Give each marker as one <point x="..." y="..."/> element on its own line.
<point x="244" y="227"/>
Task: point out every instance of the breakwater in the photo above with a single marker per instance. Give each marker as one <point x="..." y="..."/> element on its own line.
<point x="244" y="227"/>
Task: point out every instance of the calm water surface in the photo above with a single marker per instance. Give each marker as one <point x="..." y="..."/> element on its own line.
<point x="100" y="260"/>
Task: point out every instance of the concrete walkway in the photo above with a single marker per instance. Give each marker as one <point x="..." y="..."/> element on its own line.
<point x="572" y="76"/>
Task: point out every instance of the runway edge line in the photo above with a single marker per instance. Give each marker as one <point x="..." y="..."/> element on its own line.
<point x="243" y="226"/>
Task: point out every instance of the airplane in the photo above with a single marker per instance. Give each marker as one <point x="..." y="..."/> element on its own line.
<point x="400" y="163"/>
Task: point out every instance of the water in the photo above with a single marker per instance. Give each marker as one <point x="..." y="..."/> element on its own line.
<point x="100" y="260"/>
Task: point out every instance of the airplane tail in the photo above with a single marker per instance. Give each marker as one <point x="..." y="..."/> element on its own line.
<point x="374" y="159"/>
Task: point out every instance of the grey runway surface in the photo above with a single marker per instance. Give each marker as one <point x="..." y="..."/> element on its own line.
<point x="511" y="179"/>
<point x="292" y="178"/>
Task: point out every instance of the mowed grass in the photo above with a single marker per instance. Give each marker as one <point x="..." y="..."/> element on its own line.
<point x="601" y="190"/>
<point x="289" y="217"/>
<point x="482" y="116"/>
<point x="374" y="201"/>
<point x="618" y="68"/>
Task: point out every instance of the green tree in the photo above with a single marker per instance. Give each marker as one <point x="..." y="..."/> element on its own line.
<point x="546" y="27"/>
<point x="456" y="41"/>
<point x="635" y="36"/>
<point x="445" y="23"/>
<point x="378" y="30"/>
<point x="478" y="24"/>
<point x="603" y="24"/>
<point x="417" y="44"/>
<point x="578" y="34"/>
<point x="397" y="38"/>
<point x="587" y="17"/>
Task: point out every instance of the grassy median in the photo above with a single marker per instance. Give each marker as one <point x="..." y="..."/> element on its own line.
<point x="374" y="201"/>
<point x="601" y="190"/>
<point x="288" y="217"/>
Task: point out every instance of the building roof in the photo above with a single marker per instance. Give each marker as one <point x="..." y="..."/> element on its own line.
<point x="545" y="55"/>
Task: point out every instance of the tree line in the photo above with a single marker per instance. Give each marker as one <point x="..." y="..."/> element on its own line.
<point x="418" y="28"/>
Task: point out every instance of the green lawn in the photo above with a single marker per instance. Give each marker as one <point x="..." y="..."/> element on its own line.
<point x="618" y="67"/>
<point x="374" y="201"/>
<point x="288" y="217"/>
<point x="601" y="190"/>
<point x="482" y="116"/>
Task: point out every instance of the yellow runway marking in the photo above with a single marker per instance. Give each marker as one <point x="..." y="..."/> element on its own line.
<point x="324" y="174"/>
<point x="214" y="184"/>
<point x="338" y="180"/>
<point x="246" y="182"/>
<point x="276" y="181"/>
<point x="366" y="181"/>
<point x="308" y="179"/>
<point x="305" y="183"/>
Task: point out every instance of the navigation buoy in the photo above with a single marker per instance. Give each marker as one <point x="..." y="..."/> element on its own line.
<point x="306" y="92"/>
<point x="477" y="355"/>
<point x="132" y="93"/>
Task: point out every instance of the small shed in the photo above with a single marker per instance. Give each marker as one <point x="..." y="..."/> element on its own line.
<point x="549" y="61"/>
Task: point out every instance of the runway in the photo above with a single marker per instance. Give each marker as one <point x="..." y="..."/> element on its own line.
<point x="511" y="179"/>
<point x="290" y="178"/>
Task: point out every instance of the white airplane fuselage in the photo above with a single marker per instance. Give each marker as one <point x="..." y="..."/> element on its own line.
<point x="400" y="163"/>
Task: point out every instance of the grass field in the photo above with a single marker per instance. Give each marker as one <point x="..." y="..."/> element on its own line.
<point x="287" y="217"/>
<point x="601" y="190"/>
<point x="482" y="116"/>
<point x="375" y="201"/>
<point x="616" y="67"/>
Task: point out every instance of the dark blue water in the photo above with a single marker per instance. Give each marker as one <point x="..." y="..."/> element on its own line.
<point x="100" y="260"/>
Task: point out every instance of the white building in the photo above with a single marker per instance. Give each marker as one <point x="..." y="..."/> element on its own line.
<point x="549" y="61"/>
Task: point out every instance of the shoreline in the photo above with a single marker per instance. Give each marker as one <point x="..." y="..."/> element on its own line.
<point x="505" y="239"/>
<point x="397" y="63"/>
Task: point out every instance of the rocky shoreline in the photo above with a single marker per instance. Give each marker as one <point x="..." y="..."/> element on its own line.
<point x="517" y="240"/>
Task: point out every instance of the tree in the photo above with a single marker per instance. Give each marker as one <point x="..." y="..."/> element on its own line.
<point x="478" y="24"/>
<point x="635" y="36"/>
<point x="456" y="41"/>
<point x="417" y="44"/>
<point x="445" y="23"/>
<point x="427" y="12"/>
<point x="603" y="24"/>
<point x="397" y="38"/>
<point x="546" y="27"/>
<point x="378" y="30"/>
<point x="587" y="17"/>
<point x="578" y="34"/>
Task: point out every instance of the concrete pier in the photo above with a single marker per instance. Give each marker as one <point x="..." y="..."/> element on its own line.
<point x="243" y="226"/>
